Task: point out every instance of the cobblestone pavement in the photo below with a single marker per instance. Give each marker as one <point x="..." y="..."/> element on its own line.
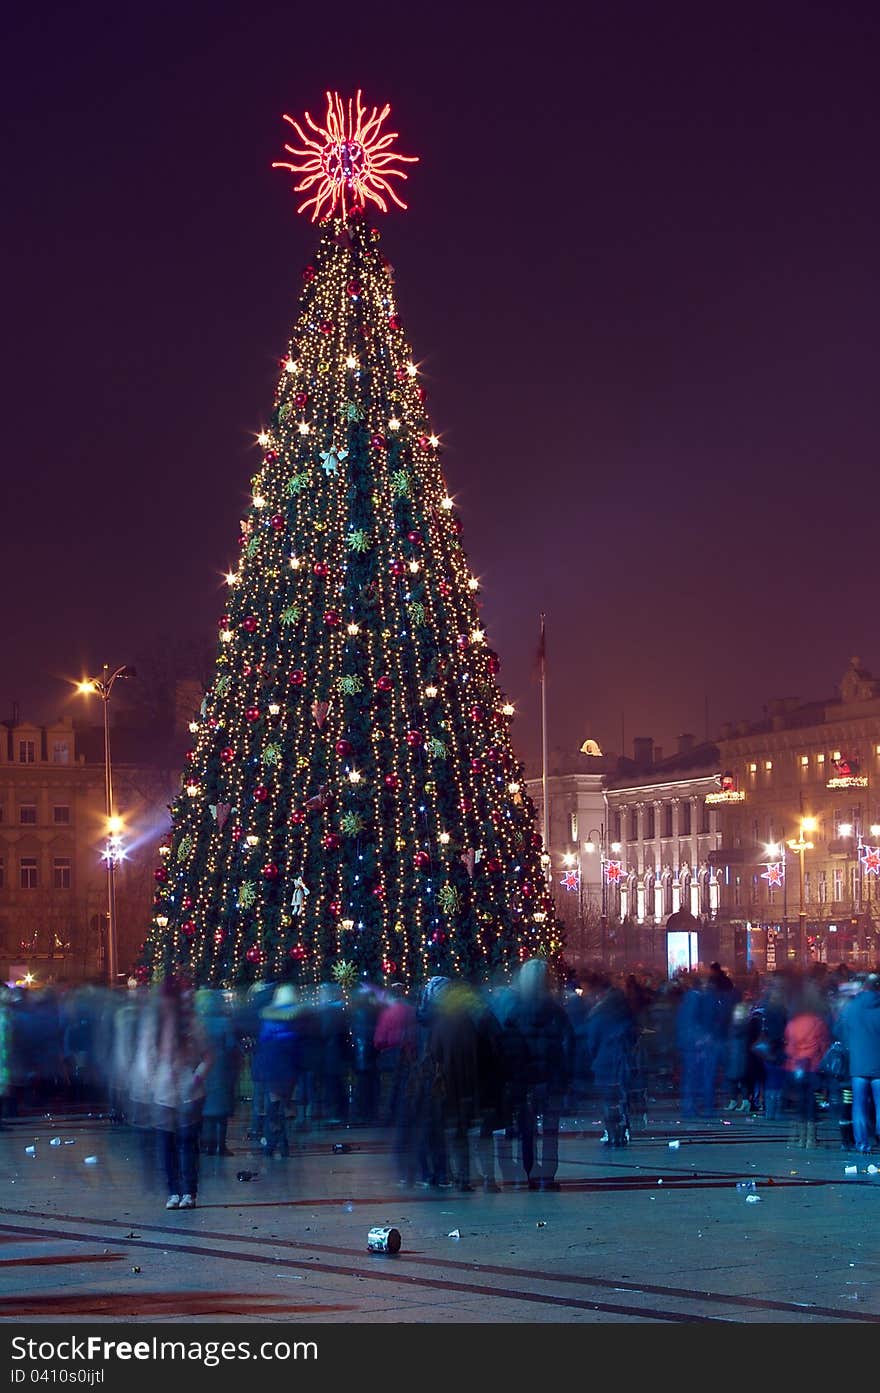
<point x="653" y="1233"/>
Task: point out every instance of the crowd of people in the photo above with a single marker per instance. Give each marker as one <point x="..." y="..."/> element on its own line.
<point x="471" y="1080"/>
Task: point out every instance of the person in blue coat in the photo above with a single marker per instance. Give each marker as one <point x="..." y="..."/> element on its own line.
<point x="277" y="1063"/>
<point x="222" y="1078"/>
<point x="859" y="1029"/>
<point x="611" y="1039"/>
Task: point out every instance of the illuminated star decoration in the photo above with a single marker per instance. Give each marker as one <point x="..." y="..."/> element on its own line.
<point x="332" y="459"/>
<point x="570" y="880"/>
<point x="613" y="870"/>
<point x="349" y="162"/>
<point x="774" y="874"/>
<point x="871" y="860"/>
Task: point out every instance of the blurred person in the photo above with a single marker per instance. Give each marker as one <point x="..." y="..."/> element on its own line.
<point x="611" y="1037"/>
<point x="859" y="1029"/>
<point x="335" y="1057"/>
<point x="420" y="1136"/>
<point x="806" y="1039"/>
<point x="771" y="1014"/>
<point x="181" y="1065"/>
<point x="689" y="1043"/>
<point x="548" y="1051"/>
<point x="363" y="1017"/>
<point x="453" y="1046"/>
<point x="121" y="1015"/>
<point x="395" y="1042"/>
<point x="247" y="1020"/>
<point x="278" y="1063"/>
<point x="741" y="1066"/>
<point x="495" y="1069"/>
<point x="222" y="1078"/>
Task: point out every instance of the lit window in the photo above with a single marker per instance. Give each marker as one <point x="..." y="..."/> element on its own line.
<point x="61" y="814"/>
<point x="61" y="873"/>
<point x="753" y="768"/>
<point x="805" y="759"/>
<point x="27" y="814"/>
<point x="836" y="754"/>
<point x="768" y="765"/>
<point x="27" y="752"/>
<point x="60" y="752"/>
<point x="820" y="759"/>
<point x="28" y="872"/>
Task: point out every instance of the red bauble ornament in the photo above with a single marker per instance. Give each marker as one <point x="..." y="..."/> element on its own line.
<point x="476" y="713"/>
<point x="400" y="374"/>
<point x="497" y="815"/>
<point x="379" y="892"/>
<point x="278" y="522"/>
<point x="142" y="973"/>
<point x="270" y="871"/>
<point x="261" y="793"/>
<point x="392" y="781"/>
<point x="393" y="321"/>
<point x="327" y="326"/>
<point x="477" y="766"/>
<point x="415" y="537"/>
<point x="254" y="954"/>
<point x="321" y="568"/>
<point x="466" y="805"/>
<point x="444" y="587"/>
<point x="186" y="902"/>
<point x="188" y="928"/>
<point x="223" y="621"/>
<point x="227" y="754"/>
<point x="527" y="890"/>
<point x="353" y="289"/>
<point x="421" y="860"/>
<point x="397" y="568"/>
<point x="309" y="273"/>
<point x="252" y="713"/>
<point x="298" y="952"/>
<point x="251" y="624"/>
<point x="335" y="907"/>
<point x="270" y="457"/>
<point x="536" y="840"/>
<point x="237" y="834"/>
<point x="300" y="399"/>
<point x="378" y="441"/>
<point x="415" y="738"/>
<point x="423" y="442"/>
<point x="343" y="748"/>
<point x="298" y="816"/>
<point x="331" y="841"/>
<point x="438" y="936"/>
<point x="160" y="874"/>
<point x="332" y="619"/>
<point x="219" y="937"/>
<point x="213" y="722"/>
<point x="421" y="393"/>
<point x="297" y="677"/>
<point x="389" y="967"/>
<point x="493" y="865"/>
<point x="493" y="664"/>
<point x="462" y="641"/>
<point x="384" y="684"/>
<point x="190" y="756"/>
<point x="493" y="754"/>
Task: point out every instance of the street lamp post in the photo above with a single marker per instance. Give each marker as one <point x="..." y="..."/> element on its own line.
<point x="596" y="841"/>
<point x="102" y="686"/>
<point x="800" y="845"/>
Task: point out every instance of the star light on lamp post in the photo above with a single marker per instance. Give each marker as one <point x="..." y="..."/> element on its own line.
<point x="800" y="845"/>
<point x="113" y="851"/>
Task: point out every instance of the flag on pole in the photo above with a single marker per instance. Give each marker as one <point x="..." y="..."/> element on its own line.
<point x="541" y="655"/>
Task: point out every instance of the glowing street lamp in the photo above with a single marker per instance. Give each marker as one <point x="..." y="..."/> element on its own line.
<point x="102" y="686"/>
<point x="800" y="845"/>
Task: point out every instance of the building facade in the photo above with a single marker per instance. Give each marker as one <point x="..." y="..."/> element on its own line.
<point x="53" y="830"/>
<point x="796" y="863"/>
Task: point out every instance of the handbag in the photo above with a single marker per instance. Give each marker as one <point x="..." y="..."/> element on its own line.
<point x="835" y="1061"/>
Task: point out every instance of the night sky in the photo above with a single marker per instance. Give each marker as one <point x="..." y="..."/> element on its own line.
<point x="639" y="271"/>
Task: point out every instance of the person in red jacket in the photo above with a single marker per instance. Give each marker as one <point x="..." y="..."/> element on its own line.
<point x="806" y="1039"/>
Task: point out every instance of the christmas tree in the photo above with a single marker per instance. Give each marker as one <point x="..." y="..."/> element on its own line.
<point x="352" y="804"/>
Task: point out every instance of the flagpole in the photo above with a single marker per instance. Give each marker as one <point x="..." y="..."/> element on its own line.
<point x="546" y="809"/>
